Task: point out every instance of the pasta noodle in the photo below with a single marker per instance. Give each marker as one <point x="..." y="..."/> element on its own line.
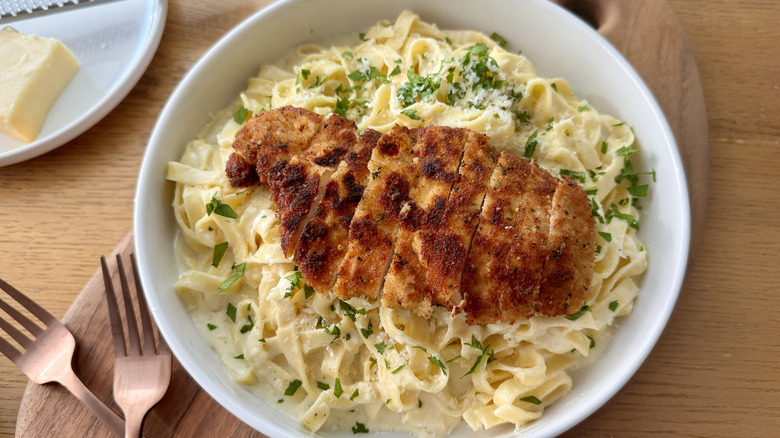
<point x="332" y="363"/>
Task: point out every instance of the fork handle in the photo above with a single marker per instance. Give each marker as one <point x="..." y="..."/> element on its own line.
<point x="109" y="418"/>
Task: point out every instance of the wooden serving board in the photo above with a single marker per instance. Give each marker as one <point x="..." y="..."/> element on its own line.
<point x="645" y="31"/>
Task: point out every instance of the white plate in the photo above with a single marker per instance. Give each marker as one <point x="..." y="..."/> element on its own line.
<point x="557" y="43"/>
<point x="114" y="42"/>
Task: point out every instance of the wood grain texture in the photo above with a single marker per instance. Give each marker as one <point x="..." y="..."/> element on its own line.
<point x="714" y="372"/>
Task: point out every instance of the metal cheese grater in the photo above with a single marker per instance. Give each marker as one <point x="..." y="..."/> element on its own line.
<point x="17" y="9"/>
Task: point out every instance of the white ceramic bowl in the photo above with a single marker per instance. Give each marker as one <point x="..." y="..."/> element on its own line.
<point x="556" y="42"/>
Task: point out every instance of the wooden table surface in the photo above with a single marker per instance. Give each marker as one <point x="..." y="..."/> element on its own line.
<point x="715" y="371"/>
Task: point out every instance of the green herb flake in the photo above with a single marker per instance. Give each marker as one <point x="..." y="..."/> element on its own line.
<point x="396" y="71"/>
<point x="530" y="145"/>
<point x="591" y="191"/>
<point x="412" y="114"/>
<point x="395" y="371"/>
<point x="366" y="332"/>
<point x="219" y="252"/>
<point x="420" y="347"/>
<point x="240" y="115"/>
<point x="348" y="55"/>
<point x="240" y="356"/>
<point x="359" y="428"/>
<point x="323" y="386"/>
<point x="583" y="108"/>
<point x="211" y="326"/>
<point x="320" y="80"/>
<point x="239" y="273"/>
<point x="350" y="311"/>
<point x="248" y="326"/>
<point x="625" y="151"/>
<point x="613" y="305"/>
<point x="592" y="341"/>
<point x="337" y="389"/>
<point x="231" y="312"/>
<point x="576" y="315"/>
<point x="453" y="359"/>
<point x="308" y="291"/>
<point x="631" y="220"/>
<point x="435" y="360"/>
<point x="579" y="176"/>
<point x="280" y="401"/>
<point x="380" y="347"/>
<point x="292" y="387"/>
<point x="639" y="191"/>
<point x="498" y="39"/>
<point x="218" y="207"/>
<point x="606" y="236"/>
<point x="354" y="394"/>
<point x="604" y="147"/>
<point x="531" y="399"/>
<point x="554" y="87"/>
<point x="362" y="36"/>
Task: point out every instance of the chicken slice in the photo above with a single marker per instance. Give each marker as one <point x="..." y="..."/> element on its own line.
<point x="447" y="256"/>
<point x="294" y="151"/>
<point x="437" y="154"/>
<point x="373" y="228"/>
<point x="569" y="269"/>
<point x="503" y="269"/>
<point x="323" y="241"/>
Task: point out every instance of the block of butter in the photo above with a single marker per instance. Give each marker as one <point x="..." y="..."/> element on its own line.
<point x="33" y="73"/>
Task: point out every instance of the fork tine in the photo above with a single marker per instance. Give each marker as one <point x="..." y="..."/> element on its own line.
<point x="20" y="318"/>
<point x="146" y="321"/>
<point x="113" y="311"/>
<point x="9" y="350"/>
<point x="134" y="346"/>
<point x="34" y="308"/>
<point x="18" y="336"/>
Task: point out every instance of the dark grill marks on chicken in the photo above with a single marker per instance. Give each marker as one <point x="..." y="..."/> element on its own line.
<point x="323" y="241"/>
<point x="373" y="230"/>
<point x="455" y="231"/>
<point x="293" y="151"/>
<point x="437" y="153"/>
<point x="433" y="215"/>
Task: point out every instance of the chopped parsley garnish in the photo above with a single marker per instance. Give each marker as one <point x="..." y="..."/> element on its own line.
<point x="604" y="147"/>
<point x="523" y="117"/>
<point x="380" y="347"/>
<point x="395" y="371"/>
<point x="337" y="389"/>
<point x="335" y="332"/>
<point x="486" y="352"/>
<point x="554" y="87"/>
<point x="613" y="305"/>
<point x="591" y="191"/>
<point x="231" y="312"/>
<point x="364" y="75"/>
<point x="308" y="291"/>
<point x="305" y="73"/>
<point x="366" y="332"/>
<point x="583" y="108"/>
<point x="342" y="105"/>
<point x="248" y="326"/>
<point x="606" y="236"/>
<point x="592" y="341"/>
<point x="576" y="315"/>
<point x="396" y="71"/>
<point x="549" y="124"/>
<point x="614" y="212"/>
<point x="530" y="145"/>
<point x="354" y="394"/>
<point x="218" y="207"/>
<point x="239" y="273"/>
<point x="362" y="36"/>
<point x="350" y="311"/>
<point x="240" y="356"/>
<point x="418" y="88"/>
<point x="211" y="326"/>
<point x="219" y="252"/>
<point x="319" y="81"/>
<point x="294" y="279"/>
<point x="412" y="114"/>
<point x="294" y="385"/>
<point x="579" y="176"/>
<point x="240" y="115"/>
<point x="638" y="191"/>
<point x="348" y="55"/>
<point x="498" y="39"/>
<point x="531" y="399"/>
<point x="323" y="386"/>
<point x="359" y="428"/>
<point x="626" y="150"/>
<point x="435" y="360"/>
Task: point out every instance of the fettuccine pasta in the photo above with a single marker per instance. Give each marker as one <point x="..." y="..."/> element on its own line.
<point x="336" y="364"/>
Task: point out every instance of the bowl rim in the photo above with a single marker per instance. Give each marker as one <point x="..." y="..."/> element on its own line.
<point x="218" y="391"/>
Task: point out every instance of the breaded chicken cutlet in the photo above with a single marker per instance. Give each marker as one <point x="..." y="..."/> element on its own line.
<point x="420" y="217"/>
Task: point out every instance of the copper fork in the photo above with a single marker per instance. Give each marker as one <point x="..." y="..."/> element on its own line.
<point x="48" y="357"/>
<point x="141" y="373"/>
